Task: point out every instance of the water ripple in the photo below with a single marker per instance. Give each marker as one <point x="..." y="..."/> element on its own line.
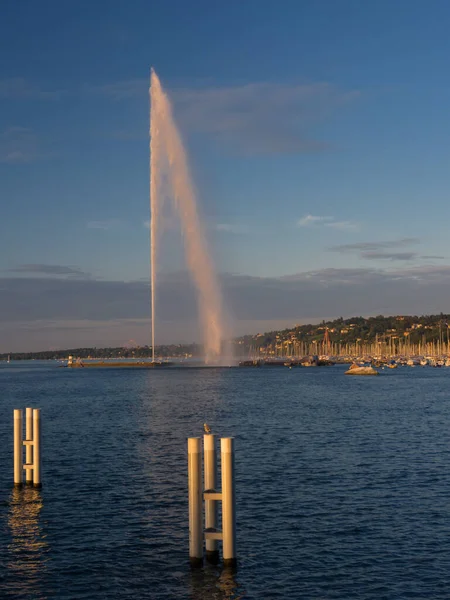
<point x="342" y="485"/>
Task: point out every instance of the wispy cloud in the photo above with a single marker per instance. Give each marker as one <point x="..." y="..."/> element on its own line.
<point x="18" y="88"/>
<point x="309" y="220"/>
<point x="344" y="225"/>
<point x="374" y="246"/>
<point x="256" y="118"/>
<point x="380" y="250"/>
<point x="314" y="220"/>
<point x="43" y="269"/>
<point x="389" y="255"/>
<point x="106" y="224"/>
<point x="261" y="118"/>
<point x="20" y="145"/>
<point x="398" y="256"/>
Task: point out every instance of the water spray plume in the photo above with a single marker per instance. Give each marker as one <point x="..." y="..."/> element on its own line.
<point x="169" y="168"/>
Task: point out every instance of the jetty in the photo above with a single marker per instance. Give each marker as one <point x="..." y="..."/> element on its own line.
<point x="123" y="364"/>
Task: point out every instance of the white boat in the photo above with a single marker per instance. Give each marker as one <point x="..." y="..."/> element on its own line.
<point x="412" y="362"/>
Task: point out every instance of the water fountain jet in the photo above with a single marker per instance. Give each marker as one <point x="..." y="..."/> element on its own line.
<point x="169" y="168"/>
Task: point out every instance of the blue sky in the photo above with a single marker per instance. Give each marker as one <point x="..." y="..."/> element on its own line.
<point x="318" y="140"/>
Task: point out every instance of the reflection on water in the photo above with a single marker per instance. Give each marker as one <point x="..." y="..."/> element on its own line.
<point x="28" y="548"/>
<point x="347" y="478"/>
<point x="215" y="584"/>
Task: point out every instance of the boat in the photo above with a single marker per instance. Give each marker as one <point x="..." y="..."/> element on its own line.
<point x="412" y="362"/>
<point x="355" y="369"/>
<point x="251" y="363"/>
<point x="310" y="361"/>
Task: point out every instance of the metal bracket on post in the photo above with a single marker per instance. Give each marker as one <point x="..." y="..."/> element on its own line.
<point x="210" y="473"/>
<point x="28" y="443"/>
<point x="211" y="534"/>
<point x="32" y="443"/>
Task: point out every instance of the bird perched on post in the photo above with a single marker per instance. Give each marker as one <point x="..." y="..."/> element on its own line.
<point x="207" y="428"/>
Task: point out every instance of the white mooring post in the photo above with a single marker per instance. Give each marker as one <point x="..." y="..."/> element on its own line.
<point x="29" y="447"/>
<point x="18" y="465"/>
<point x="195" y="501"/>
<point x="32" y="443"/>
<point x="211" y="534"/>
<point x="210" y="471"/>
<point x="228" y="502"/>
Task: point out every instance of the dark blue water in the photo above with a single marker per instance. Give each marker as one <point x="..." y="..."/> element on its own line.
<point x="343" y="483"/>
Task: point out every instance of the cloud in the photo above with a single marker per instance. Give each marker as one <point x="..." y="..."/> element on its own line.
<point x="19" y="145"/>
<point x="261" y="118"/>
<point x="389" y="255"/>
<point x="106" y="224"/>
<point x="66" y="312"/>
<point x="18" y="88"/>
<point x="379" y="250"/>
<point x="42" y="269"/>
<point x="374" y="246"/>
<point x="256" y="118"/>
<point x="344" y="225"/>
<point x="311" y="220"/>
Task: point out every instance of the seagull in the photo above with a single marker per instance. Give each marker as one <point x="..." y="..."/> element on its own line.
<point x="207" y="428"/>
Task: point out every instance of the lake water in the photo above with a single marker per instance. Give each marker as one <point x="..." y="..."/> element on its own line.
<point x="343" y="483"/>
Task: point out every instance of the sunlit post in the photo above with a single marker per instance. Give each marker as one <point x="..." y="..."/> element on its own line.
<point x="37" y="447"/>
<point x="28" y="447"/>
<point x="18" y="462"/>
<point x="195" y="501"/>
<point x="228" y="502"/>
<point x="210" y="470"/>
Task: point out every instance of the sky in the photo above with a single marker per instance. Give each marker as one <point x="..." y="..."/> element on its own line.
<point x="317" y="135"/>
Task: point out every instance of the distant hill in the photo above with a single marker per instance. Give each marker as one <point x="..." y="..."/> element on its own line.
<point x="175" y="350"/>
<point x="393" y="333"/>
<point x="396" y="332"/>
